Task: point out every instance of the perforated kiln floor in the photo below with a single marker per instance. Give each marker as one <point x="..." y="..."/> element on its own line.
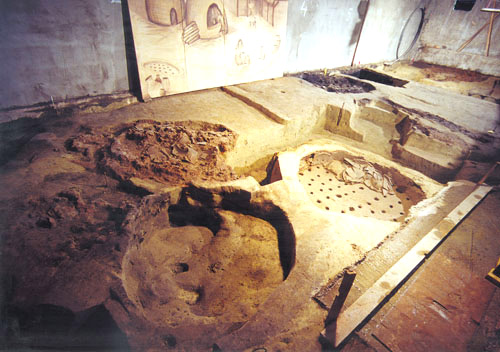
<point x="330" y="194"/>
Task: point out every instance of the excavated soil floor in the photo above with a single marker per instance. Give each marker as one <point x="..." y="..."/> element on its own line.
<point x="91" y="260"/>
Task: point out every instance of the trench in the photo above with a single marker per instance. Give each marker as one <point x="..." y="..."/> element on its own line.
<point x="374" y="76"/>
<point x="206" y="252"/>
<point x="210" y="254"/>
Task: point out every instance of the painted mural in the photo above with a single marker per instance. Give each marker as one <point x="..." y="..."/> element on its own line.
<point x="186" y="45"/>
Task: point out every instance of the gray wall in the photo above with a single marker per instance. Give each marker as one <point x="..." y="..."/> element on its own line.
<point x="60" y="48"/>
<point x="73" y="48"/>
<point x="447" y="29"/>
<point x="323" y="33"/>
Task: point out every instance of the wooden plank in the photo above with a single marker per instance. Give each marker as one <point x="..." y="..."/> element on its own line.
<point x="354" y="315"/>
<point x="472" y="38"/>
<point x="442" y="307"/>
<point x="490" y="28"/>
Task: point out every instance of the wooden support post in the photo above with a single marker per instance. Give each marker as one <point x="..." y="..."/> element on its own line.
<point x="488" y="40"/>
<point x="331" y="319"/>
<point x="344" y="289"/>
<point x="490" y="7"/>
<point x="359" y="34"/>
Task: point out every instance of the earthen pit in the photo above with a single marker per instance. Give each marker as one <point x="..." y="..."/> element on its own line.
<point x="198" y="270"/>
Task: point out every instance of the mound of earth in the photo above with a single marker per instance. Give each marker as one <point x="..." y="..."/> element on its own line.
<point x="168" y="152"/>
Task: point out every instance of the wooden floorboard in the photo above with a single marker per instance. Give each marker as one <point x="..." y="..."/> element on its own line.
<point x="354" y="315"/>
<point x="447" y="305"/>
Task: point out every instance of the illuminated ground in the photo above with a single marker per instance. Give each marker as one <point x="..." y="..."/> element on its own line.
<point x="144" y="217"/>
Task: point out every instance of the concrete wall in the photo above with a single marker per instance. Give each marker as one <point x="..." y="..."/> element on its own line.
<point x="447" y="29"/>
<point x="73" y="48"/>
<point x="60" y="49"/>
<point x="383" y="27"/>
<point x="323" y="33"/>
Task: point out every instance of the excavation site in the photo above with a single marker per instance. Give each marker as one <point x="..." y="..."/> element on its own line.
<point x="220" y="206"/>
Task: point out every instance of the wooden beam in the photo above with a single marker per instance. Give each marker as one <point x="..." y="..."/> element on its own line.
<point x="472" y="38"/>
<point x="355" y="314"/>
<point x="486" y="175"/>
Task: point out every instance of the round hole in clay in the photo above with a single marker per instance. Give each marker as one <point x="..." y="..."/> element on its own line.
<point x="376" y="198"/>
<point x="339" y="195"/>
<point x="327" y="208"/>
<point x="383" y="212"/>
<point x="351" y="208"/>
<point x="181" y="268"/>
<point x="391" y="206"/>
<point x="318" y="201"/>
<point x="359" y="206"/>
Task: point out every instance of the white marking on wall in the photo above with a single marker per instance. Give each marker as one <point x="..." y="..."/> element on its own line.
<point x="303" y="8"/>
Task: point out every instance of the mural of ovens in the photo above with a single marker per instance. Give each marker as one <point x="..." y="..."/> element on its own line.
<point x="186" y="45"/>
